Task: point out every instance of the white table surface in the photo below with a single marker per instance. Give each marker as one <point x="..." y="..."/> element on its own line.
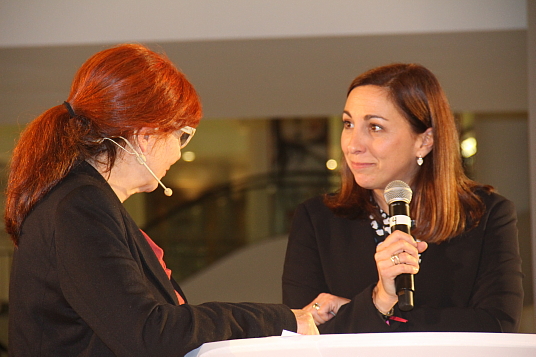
<point x="406" y="344"/>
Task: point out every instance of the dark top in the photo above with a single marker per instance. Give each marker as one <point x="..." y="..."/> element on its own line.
<point x="470" y="283"/>
<point x="85" y="282"/>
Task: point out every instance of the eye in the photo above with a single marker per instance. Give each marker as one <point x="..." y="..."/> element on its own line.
<point x="347" y="124"/>
<point x="375" y="127"/>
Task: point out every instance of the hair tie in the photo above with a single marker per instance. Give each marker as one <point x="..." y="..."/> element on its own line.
<point x="72" y="114"/>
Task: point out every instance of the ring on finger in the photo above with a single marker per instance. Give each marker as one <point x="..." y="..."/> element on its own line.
<point x="395" y="259"/>
<point x="316" y="306"/>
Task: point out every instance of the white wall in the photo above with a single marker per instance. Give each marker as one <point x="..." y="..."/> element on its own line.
<point x="67" y="22"/>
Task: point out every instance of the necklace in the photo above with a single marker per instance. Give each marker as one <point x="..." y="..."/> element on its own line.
<point x="383" y="230"/>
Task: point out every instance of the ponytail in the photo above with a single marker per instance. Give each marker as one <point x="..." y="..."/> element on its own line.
<point x="43" y="156"/>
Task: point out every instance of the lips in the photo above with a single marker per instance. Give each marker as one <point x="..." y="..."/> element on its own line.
<point x="361" y="165"/>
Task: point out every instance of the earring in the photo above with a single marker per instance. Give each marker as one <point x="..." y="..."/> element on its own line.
<point x="420" y="160"/>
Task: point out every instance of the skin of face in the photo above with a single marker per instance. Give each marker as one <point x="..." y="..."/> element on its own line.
<point x="160" y="154"/>
<point x="378" y="143"/>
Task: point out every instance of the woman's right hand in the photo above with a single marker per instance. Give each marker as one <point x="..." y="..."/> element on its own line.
<point x="306" y="324"/>
<point x="398" y="254"/>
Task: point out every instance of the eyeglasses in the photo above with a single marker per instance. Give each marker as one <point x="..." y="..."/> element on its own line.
<point x="184" y="135"/>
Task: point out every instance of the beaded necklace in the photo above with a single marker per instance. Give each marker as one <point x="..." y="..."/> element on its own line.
<point x="380" y="230"/>
<point x="383" y="230"/>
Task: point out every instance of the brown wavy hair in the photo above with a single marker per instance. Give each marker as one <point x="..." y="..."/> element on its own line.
<point x="444" y="201"/>
<point x="115" y="93"/>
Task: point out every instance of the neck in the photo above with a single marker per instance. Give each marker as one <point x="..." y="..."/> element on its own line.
<point x="117" y="178"/>
<point x="380" y="200"/>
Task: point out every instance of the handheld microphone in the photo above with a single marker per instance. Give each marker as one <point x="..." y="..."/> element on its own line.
<point x="141" y="159"/>
<point x="398" y="196"/>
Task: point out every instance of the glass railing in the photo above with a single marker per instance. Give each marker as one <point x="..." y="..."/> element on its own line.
<point x="197" y="233"/>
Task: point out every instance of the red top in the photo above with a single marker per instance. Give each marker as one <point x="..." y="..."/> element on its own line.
<point x="159" y="252"/>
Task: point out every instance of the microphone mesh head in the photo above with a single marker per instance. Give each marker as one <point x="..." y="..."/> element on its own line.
<point x="397" y="191"/>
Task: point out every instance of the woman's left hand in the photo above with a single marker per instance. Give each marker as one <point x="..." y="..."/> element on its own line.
<point x="325" y="307"/>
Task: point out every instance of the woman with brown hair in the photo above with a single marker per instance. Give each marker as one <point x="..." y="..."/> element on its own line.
<point x="85" y="279"/>
<point x="343" y="261"/>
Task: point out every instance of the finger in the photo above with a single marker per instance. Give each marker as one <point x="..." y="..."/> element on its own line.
<point x="422" y="246"/>
<point x="314" y="309"/>
<point x="325" y="306"/>
<point x="399" y="235"/>
<point x="322" y="310"/>
<point x="391" y="254"/>
<point x="405" y="258"/>
<point x="388" y="270"/>
<point x="388" y="260"/>
<point x="326" y="315"/>
<point x="385" y="251"/>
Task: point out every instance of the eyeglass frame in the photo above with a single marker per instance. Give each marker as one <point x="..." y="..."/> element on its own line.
<point x="180" y="133"/>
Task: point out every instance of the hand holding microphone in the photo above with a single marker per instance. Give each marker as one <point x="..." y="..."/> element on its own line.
<point x="398" y="256"/>
<point x="398" y="196"/>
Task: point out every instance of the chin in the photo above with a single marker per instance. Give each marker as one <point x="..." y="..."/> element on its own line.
<point x="364" y="183"/>
<point x="149" y="189"/>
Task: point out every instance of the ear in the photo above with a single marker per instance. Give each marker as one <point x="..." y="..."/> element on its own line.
<point x="426" y="142"/>
<point x="144" y="139"/>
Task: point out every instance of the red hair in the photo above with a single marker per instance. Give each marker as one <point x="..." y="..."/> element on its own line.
<point x="115" y="93"/>
<point x="444" y="201"/>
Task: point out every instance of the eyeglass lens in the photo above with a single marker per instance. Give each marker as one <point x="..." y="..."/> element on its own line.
<point x="184" y="138"/>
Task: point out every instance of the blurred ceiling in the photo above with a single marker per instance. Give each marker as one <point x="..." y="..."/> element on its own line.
<point x="280" y="58"/>
<point x="257" y="78"/>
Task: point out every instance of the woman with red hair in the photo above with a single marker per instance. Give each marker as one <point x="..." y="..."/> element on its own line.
<point x="85" y="279"/>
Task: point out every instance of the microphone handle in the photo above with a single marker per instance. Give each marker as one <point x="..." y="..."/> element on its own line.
<point x="405" y="285"/>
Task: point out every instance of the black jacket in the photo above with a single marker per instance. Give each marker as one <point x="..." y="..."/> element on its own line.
<point x="85" y="282"/>
<point x="470" y="283"/>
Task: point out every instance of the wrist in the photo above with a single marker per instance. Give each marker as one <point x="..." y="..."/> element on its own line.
<point x="385" y="309"/>
<point x="387" y="314"/>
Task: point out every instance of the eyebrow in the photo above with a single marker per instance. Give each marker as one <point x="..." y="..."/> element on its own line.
<point x="367" y="117"/>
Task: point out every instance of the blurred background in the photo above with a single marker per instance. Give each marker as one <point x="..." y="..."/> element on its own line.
<point x="272" y="77"/>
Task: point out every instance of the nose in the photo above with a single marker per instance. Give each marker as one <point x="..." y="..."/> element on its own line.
<point x="352" y="142"/>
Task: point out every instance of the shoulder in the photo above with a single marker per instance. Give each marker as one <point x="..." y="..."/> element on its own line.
<point x="88" y="194"/>
<point x="499" y="210"/>
<point x="315" y="206"/>
<point x="87" y="182"/>
<point x="77" y="203"/>
<point x="82" y="187"/>
<point x="494" y="201"/>
<point x="316" y="210"/>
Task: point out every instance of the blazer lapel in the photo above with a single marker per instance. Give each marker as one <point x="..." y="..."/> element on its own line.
<point x="148" y="257"/>
<point x="178" y="289"/>
<point x="146" y="253"/>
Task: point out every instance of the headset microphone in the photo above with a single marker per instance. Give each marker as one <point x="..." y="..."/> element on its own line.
<point x="167" y="191"/>
<point x="141" y="159"/>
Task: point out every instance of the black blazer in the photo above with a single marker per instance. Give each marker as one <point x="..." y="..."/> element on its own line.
<point x="470" y="283"/>
<point x="85" y="282"/>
